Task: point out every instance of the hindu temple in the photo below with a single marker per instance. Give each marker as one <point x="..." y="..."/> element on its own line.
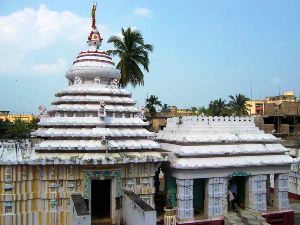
<point x="210" y="156"/>
<point x="91" y="141"/>
<point x="92" y="161"/>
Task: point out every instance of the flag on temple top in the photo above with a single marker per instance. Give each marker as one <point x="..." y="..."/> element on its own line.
<point x="93" y="10"/>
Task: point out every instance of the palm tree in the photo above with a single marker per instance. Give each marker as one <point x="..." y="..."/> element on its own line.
<point x="238" y="104"/>
<point x="151" y="103"/>
<point x="132" y="52"/>
<point x="165" y="108"/>
<point x="218" y="107"/>
<point x="199" y="111"/>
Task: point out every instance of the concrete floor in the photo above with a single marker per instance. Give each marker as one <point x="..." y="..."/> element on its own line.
<point x="101" y="222"/>
<point x="297" y="219"/>
<point x="296" y="207"/>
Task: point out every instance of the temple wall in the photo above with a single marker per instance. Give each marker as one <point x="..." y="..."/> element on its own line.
<point x="294" y="179"/>
<point x="32" y="195"/>
<point x="256" y="191"/>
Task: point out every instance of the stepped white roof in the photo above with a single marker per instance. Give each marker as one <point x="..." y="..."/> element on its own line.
<point x="90" y="121"/>
<point x="220" y="142"/>
<point x="92" y="117"/>
<point x="18" y="153"/>
<point x="94" y="89"/>
<point x="93" y="113"/>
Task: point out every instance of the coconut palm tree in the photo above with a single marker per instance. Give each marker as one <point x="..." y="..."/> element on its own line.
<point x="199" y="111"/>
<point x="218" y="107"/>
<point x="133" y="52"/>
<point x="165" y="108"/>
<point x="151" y="104"/>
<point x="238" y="104"/>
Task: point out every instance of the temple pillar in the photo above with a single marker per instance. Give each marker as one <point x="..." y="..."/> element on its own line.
<point x="167" y="179"/>
<point x="225" y="195"/>
<point x="281" y="201"/>
<point x="215" y="196"/>
<point x="185" y="209"/>
<point x="256" y="192"/>
<point x="269" y="195"/>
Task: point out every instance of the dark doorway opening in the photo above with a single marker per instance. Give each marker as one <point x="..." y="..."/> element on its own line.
<point x="199" y="199"/>
<point x="240" y="189"/>
<point x="100" y="199"/>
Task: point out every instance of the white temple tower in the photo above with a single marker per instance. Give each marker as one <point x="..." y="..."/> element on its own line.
<point x="92" y="143"/>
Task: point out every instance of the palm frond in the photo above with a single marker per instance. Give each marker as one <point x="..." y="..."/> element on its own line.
<point x="133" y="53"/>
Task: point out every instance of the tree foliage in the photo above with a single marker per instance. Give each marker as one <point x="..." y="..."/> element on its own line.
<point x="18" y="129"/>
<point x="236" y="107"/>
<point x="199" y="111"/>
<point x="238" y="104"/>
<point x="165" y="108"/>
<point x="133" y="52"/>
<point x="218" y="107"/>
<point x="151" y="103"/>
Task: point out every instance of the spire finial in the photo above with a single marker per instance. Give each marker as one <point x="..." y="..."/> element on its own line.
<point x="93" y="14"/>
<point x="94" y="39"/>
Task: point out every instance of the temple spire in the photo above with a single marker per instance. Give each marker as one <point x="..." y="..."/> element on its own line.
<point x="94" y="39"/>
<point x="93" y="14"/>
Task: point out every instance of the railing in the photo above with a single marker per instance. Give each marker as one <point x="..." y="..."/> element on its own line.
<point x="79" y="211"/>
<point x="135" y="211"/>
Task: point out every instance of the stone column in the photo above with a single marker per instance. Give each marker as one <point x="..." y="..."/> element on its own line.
<point x="215" y="196"/>
<point x="281" y="201"/>
<point x="256" y="192"/>
<point x="269" y="195"/>
<point x="169" y="218"/>
<point x="225" y="196"/>
<point x="185" y="209"/>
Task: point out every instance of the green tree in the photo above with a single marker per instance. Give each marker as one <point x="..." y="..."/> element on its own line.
<point x="33" y="124"/>
<point x="218" y="107"/>
<point x="199" y="111"/>
<point x="165" y="108"/>
<point x="19" y="129"/>
<point x="238" y="104"/>
<point x="4" y="125"/>
<point x="151" y="104"/>
<point x="133" y="52"/>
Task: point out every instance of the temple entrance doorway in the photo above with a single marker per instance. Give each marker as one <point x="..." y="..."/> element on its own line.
<point x="199" y="199"/>
<point x="160" y="191"/>
<point x="101" y="201"/>
<point x="237" y="185"/>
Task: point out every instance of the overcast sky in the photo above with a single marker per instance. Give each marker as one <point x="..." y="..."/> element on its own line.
<point x="202" y="49"/>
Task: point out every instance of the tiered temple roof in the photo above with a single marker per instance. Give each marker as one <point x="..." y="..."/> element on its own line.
<point x="93" y="118"/>
<point x="220" y="142"/>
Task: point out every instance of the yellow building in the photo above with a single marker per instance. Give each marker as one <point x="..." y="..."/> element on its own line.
<point x="160" y="120"/>
<point x="6" y="116"/>
<point x="258" y="107"/>
<point x="255" y="107"/>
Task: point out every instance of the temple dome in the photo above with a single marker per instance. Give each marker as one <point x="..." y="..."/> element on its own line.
<point x="92" y="63"/>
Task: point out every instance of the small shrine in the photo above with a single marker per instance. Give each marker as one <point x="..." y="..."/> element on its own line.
<point x="210" y="156"/>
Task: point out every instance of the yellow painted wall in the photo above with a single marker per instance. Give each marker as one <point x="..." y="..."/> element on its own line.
<point x="32" y="189"/>
<point x="13" y="117"/>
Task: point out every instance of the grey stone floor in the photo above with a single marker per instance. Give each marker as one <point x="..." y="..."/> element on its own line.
<point x="296" y="208"/>
<point x="297" y="219"/>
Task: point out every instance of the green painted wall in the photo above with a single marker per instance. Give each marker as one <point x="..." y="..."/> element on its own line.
<point x="173" y="191"/>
